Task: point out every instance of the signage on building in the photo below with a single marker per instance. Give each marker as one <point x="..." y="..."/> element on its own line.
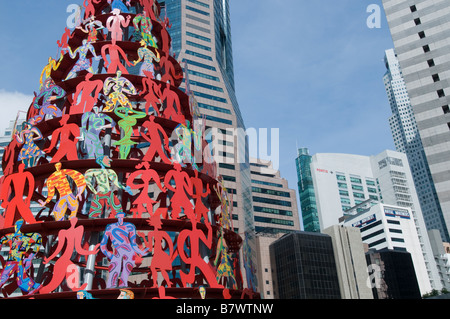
<point x="397" y="212"/>
<point x="365" y="221"/>
<point x="322" y="170"/>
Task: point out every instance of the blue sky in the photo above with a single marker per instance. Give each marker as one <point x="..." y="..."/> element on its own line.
<point x="313" y="69"/>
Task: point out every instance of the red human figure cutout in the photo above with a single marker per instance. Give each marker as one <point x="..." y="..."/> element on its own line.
<point x="63" y="43"/>
<point x="151" y="132"/>
<point x="171" y="113"/>
<point x="152" y="98"/>
<point x="67" y="144"/>
<point x="23" y="185"/>
<point x="209" y="164"/>
<point x="169" y="75"/>
<point x="115" y="23"/>
<point x="166" y="40"/>
<point x="84" y="100"/>
<point x="161" y="260"/>
<point x="200" y="210"/>
<point x="115" y="64"/>
<point x="195" y="260"/>
<point x="148" y="6"/>
<point x="182" y="192"/>
<point x="143" y="201"/>
<point x="70" y="239"/>
<point x="89" y="9"/>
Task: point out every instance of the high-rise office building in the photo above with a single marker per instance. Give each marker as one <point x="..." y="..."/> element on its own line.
<point x="420" y="30"/>
<point x="201" y="40"/>
<point x="407" y="140"/>
<point x="306" y="191"/>
<point x="276" y="214"/>
<point x="344" y="182"/>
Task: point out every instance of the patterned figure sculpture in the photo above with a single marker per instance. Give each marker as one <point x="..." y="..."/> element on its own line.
<point x="152" y="133"/>
<point x="52" y="65"/>
<point x="181" y="192"/>
<point x="140" y="180"/>
<point x="195" y="261"/>
<point x="145" y="54"/>
<point x="16" y="184"/>
<point x="83" y="63"/>
<point x="19" y="259"/>
<point x="29" y="152"/>
<point x="67" y="200"/>
<point x="67" y="135"/>
<point x="128" y="121"/>
<point x="71" y="240"/>
<point x="92" y="124"/>
<point x="143" y="30"/>
<point x="100" y="182"/>
<point x="92" y="27"/>
<point x="123" y="238"/>
<point x="116" y="87"/>
<point x="86" y="95"/>
<point x="225" y="268"/>
<point x="183" y="149"/>
<point x="49" y="93"/>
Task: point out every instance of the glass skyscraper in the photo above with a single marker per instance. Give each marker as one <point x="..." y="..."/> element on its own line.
<point x="201" y="41"/>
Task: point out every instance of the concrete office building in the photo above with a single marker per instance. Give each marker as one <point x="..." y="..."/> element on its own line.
<point x="276" y="213"/>
<point x="441" y="257"/>
<point x="351" y="263"/>
<point x="392" y="227"/>
<point x="407" y="140"/>
<point x="343" y="181"/>
<point x="420" y="31"/>
<point x="304" y="267"/>
<point x="201" y="40"/>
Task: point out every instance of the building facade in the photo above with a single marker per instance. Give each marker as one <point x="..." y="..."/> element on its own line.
<point x="276" y="214"/>
<point x="304" y="267"/>
<point x="420" y="30"/>
<point x="392" y="227"/>
<point x="395" y="275"/>
<point x="343" y="183"/>
<point x="201" y="41"/>
<point x="351" y="263"/>
<point x="407" y="140"/>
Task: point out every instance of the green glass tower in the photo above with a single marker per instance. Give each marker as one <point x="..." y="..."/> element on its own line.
<point x="306" y="191"/>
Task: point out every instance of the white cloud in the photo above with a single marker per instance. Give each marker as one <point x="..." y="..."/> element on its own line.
<point x="10" y="104"/>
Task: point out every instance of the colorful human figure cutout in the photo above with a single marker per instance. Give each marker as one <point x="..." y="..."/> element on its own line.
<point x="93" y="123"/>
<point x="67" y="135"/>
<point x="83" y="62"/>
<point x="101" y="182"/>
<point x="180" y="200"/>
<point x="225" y="266"/>
<point x="16" y="192"/>
<point x="123" y="259"/>
<point x="30" y="152"/>
<point x="44" y="101"/>
<point x="52" y="65"/>
<point x="58" y="181"/>
<point x="127" y="123"/>
<point x="69" y="241"/>
<point x="154" y="133"/>
<point x="140" y="180"/>
<point x="147" y="57"/>
<point x="19" y="259"/>
<point x="115" y="89"/>
<point x="143" y="30"/>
